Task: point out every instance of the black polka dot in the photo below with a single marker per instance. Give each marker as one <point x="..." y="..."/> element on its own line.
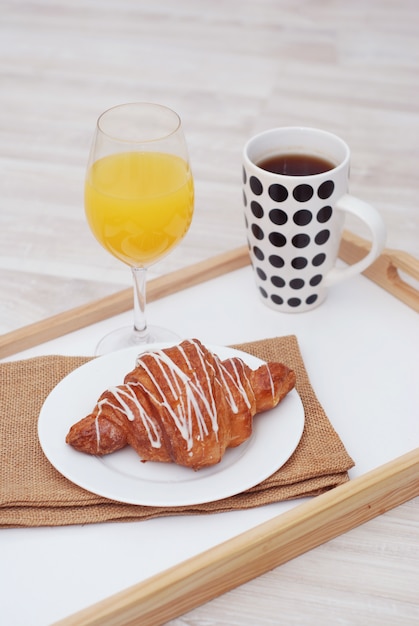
<point x="299" y="262"/>
<point x="258" y="253"/>
<point x="244" y="198"/>
<point x="324" y="214"/>
<point x="261" y="273"/>
<point x="256" y="185"/>
<point x="294" y="302"/>
<point x="316" y="280"/>
<point x="312" y="299"/>
<point x="256" y="209"/>
<point x="276" y="261"/>
<point x="277" y="299"/>
<point x="263" y="292"/>
<point x="278" y="193"/>
<point x="257" y="231"/>
<point x="303" y="217"/>
<point x="278" y="217"/>
<point x="244" y="176"/>
<point x="326" y="189"/>
<point x="296" y="283"/>
<point x="246" y="223"/>
<point x="300" y="241"/>
<point x="303" y="193"/>
<point x="277" y="239"/>
<point x="318" y="259"/>
<point x="322" y="237"/>
<point x="278" y="281"/>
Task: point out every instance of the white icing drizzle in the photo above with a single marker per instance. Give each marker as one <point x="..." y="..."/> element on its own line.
<point x="179" y="381"/>
<point x="236" y="381"/>
<point x="97" y="435"/>
<point x="207" y="399"/>
<point x="194" y="399"/>
<point x="124" y="408"/>
<point x="271" y="381"/>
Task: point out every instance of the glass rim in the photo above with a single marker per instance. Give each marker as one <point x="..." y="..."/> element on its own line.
<point x="138" y="105"/>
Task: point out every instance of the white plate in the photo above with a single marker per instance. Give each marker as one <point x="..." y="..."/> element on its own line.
<point x="121" y="476"/>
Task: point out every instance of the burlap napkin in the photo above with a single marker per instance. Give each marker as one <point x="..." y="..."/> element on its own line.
<point x="33" y="493"/>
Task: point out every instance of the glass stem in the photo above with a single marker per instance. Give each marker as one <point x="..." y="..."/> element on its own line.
<point x="140" y="323"/>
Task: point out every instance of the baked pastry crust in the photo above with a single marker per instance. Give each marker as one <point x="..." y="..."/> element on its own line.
<point x="182" y="404"/>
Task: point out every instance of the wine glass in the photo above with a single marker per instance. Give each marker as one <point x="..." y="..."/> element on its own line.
<point x="139" y="200"/>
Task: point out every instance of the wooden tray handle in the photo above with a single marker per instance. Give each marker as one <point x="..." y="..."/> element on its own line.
<point x="385" y="270"/>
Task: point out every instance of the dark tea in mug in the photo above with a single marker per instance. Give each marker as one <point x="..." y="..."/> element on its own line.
<point x="296" y="164"/>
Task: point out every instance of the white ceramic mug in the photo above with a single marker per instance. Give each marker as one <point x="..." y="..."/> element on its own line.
<point x="294" y="221"/>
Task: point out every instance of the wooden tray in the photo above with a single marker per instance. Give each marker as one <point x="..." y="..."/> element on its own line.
<point x="229" y="564"/>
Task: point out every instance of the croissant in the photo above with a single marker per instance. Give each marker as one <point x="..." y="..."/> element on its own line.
<point x="182" y="405"/>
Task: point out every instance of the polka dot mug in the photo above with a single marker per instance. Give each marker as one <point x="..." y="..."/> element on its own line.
<point x="295" y="193"/>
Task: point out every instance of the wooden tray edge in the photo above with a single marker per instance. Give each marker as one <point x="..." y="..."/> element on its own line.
<point x="258" y="550"/>
<point x="98" y="310"/>
<point x="384" y="271"/>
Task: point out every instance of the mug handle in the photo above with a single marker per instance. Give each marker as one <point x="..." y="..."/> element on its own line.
<point x="370" y="216"/>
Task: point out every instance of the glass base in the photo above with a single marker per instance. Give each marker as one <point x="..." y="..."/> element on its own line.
<point x="127" y="337"/>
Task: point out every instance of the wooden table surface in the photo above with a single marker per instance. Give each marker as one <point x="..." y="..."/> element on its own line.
<point x="229" y="69"/>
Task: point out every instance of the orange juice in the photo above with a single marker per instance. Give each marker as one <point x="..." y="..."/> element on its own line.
<point x="139" y="205"/>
